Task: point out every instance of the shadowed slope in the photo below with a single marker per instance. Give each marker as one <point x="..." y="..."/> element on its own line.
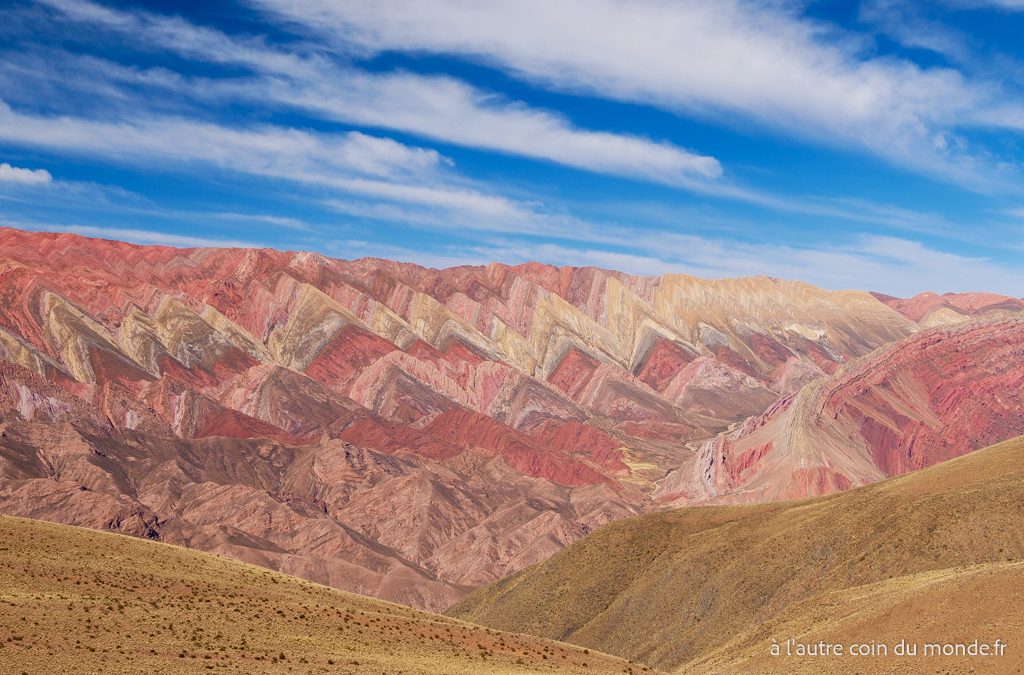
<point x="669" y="588"/>
<point x="84" y="601"/>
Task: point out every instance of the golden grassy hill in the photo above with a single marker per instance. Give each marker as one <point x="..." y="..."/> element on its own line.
<point x="674" y="588"/>
<point x="77" y="600"/>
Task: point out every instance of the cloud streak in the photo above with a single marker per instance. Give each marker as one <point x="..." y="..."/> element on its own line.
<point x="439" y="108"/>
<point x="434" y="107"/>
<point x="748" y="60"/>
<point x="14" y="174"/>
<point x="352" y="162"/>
<point x="265" y="150"/>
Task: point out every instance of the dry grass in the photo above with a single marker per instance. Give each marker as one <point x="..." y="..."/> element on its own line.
<point x="983" y="602"/>
<point x="671" y="588"/>
<point x="76" y="600"/>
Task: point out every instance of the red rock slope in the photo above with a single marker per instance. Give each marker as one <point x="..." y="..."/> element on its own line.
<point x="932" y="397"/>
<point x="398" y="431"/>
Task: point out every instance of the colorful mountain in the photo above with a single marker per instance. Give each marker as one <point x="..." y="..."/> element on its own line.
<point x="384" y="428"/>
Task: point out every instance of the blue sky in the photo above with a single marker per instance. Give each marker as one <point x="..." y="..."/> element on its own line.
<point x="873" y="144"/>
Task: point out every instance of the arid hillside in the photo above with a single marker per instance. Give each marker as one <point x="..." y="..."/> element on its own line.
<point x="703" y="587"/>
<point x="396" y="431"/>
<point x="934" y="614"/>
<point x="76" y="600"/>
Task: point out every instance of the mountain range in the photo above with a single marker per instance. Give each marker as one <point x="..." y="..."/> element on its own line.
<point x="413" y="434"/>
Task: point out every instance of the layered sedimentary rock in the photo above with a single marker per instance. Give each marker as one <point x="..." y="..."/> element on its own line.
<point x="399" y="431"/>
<point x="931" y="309"/>
<point x="932" y="397"/>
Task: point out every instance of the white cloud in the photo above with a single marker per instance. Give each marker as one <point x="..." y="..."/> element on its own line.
<point x="352" y="162"/>
<point x="493" y="208"/>
<point x="440" y="108"/>
<point x="13" y="174"/>
<point x="445" y="109"/>
<point x="749" y="60"/>
<point x="265" y="150"/>
<point x="183" y="37"/>
<point x="894" y="265"/>
<point x="409" y="100"/>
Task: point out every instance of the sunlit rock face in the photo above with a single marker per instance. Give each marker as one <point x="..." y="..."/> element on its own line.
<point x="398" y="431"/>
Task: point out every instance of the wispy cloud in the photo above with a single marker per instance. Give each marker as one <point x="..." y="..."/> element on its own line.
<point x="14" y="174"/>
<point x="976" y="4"/>
<point x="266" y="219"/>
<point x="905" y="22"/>
<point x="440" y="108"/>
<point x="266" y="150"/>
<point x="751" y="60"/>
<point x="351" y="162"/>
